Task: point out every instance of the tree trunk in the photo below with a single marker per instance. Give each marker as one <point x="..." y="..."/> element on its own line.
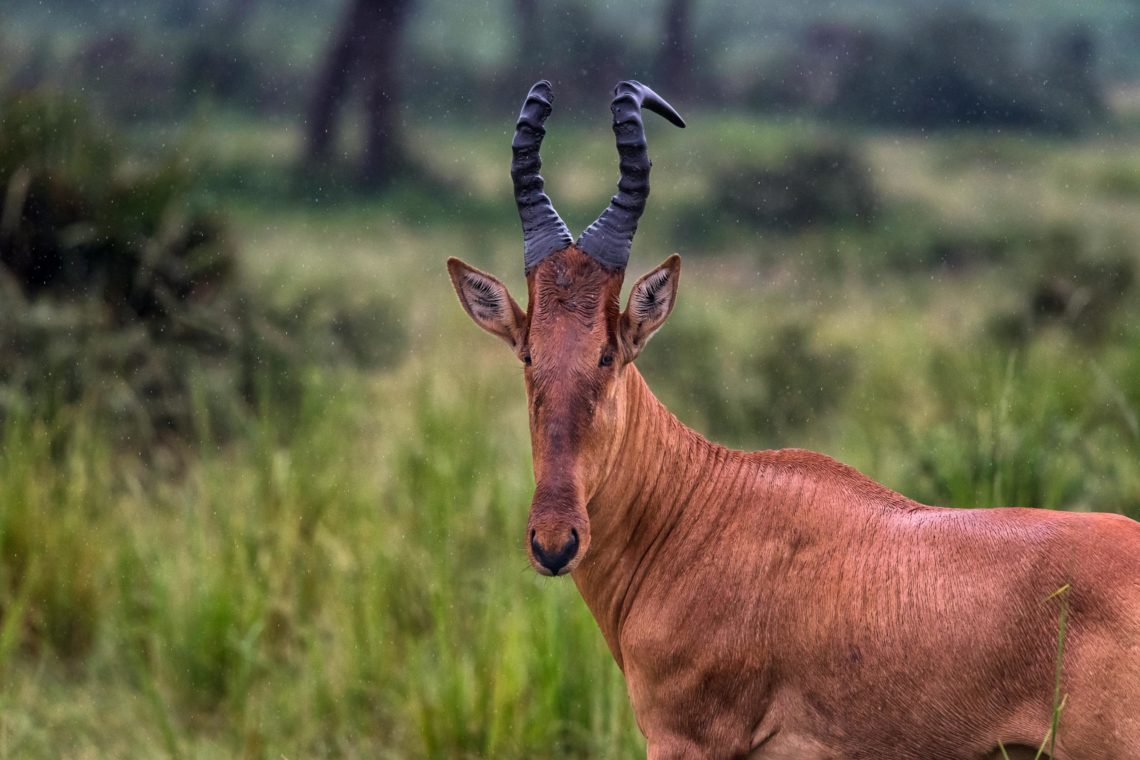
<point x="530" y="61"/>
<point x="333" y="83"/>
<point x="365" y="50"/>
<point x="675" y="66"/>
<point x="383" y="154"/>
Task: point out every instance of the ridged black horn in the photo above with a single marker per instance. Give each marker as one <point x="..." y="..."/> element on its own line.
<point x="609" y="238"/>
<point x="544" y="232"/>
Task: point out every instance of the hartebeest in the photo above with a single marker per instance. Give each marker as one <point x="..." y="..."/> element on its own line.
<point x="779" y="604"/>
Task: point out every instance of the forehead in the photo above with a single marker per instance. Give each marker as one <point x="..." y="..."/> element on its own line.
<point x="571" y="288"/>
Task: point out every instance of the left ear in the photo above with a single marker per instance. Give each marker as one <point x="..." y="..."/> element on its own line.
<point x="650" y="302"/>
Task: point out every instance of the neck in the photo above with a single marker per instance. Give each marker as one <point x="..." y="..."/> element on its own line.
<point x="645" y="490"/>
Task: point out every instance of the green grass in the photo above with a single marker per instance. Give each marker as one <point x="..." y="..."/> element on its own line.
<point x="348" y="591"/>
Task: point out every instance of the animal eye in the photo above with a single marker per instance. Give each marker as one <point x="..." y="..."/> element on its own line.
<point x="606" y="360"/>
<point x="527" y="359"/>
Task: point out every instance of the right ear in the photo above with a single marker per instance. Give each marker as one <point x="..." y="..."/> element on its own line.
<point x="488" y="303"/>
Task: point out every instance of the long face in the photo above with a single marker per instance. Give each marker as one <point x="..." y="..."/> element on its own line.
<point x="571" y="359"/>
<point x="574" y="343"/>
<point x="573" y="340"/>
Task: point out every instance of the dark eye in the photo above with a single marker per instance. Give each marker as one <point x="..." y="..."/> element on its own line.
<point x="527" y="359"/>
<point x="606" y="360"/>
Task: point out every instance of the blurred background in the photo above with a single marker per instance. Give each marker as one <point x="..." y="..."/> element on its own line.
<point x="262" y="484"/>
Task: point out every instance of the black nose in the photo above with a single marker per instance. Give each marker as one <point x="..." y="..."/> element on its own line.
<point x="555" y="560"/>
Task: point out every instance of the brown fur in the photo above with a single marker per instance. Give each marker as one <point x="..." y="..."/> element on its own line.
<point x="779" y="604"/>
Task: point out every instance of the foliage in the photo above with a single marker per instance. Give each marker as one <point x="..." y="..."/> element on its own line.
<point x="121" y="295"/>
<point x="747" y="388"/>
<point x="971" y="64"/>
<point x="296" y="603"/>
<point x="1073" y="287"/>
<point x="779" y="181"/>
<point x="952" y="69"/>
<point x="994" y="453"/>
<point x="814" y="185"/>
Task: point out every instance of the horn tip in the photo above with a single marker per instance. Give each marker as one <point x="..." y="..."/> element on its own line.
<point x="646" y="97"/>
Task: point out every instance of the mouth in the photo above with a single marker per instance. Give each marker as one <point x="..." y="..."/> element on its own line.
<point x="553" y="573"/>
<point x="545" y="571"/>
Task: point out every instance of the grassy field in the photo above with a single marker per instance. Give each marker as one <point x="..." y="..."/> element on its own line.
<point x="353" y="582"/>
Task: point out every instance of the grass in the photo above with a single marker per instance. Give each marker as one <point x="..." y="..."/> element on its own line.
<point x="346" y="592"/>
<point x="1059" y="699"/>
<point x="352" y="582"/>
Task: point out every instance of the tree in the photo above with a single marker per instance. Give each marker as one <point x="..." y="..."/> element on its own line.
<point x="675" y="67"/>
<point x="365" y="52"/>
<point x="1074" y="88"/>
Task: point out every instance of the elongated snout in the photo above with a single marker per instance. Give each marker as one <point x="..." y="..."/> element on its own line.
<point x="558" y="532"/>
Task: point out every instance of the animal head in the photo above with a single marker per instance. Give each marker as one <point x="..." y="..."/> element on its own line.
<point x="573" y="340"/>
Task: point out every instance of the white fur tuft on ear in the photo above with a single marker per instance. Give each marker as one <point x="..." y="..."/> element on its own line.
<point x="650" y="303"/>
<point x="484" y="299"/>
<point x="487" y="302"/>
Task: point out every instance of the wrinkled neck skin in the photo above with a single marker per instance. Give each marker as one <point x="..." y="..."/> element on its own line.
<point x="639" y="499"/>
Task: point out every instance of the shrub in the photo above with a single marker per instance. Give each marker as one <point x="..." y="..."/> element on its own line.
<point x="1029" y="430"/>
<point x="819" y="184"/>
<point x="788" y="186"/>
<point x="903" y="241"/>
<point x="121" y="294"/>
<point x="1073" y="284"/>
<point x="764" y="393"/>
<point x="79" y="220"/>
<point x="955" y="69"/>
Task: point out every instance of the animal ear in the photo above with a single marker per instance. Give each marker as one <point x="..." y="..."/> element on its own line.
<point x="488" y="303"/>
<point x="650" y="302"/>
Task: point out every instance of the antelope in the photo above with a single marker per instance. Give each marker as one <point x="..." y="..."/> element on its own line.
<point x="779" y="604"/>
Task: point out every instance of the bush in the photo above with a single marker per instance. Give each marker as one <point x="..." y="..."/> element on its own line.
<point x="790" y="186"/>
<point x="813" y="185"/>
<point x="121" y="294"/>
<point x="953" y="70"/>
<point x="758" y="394"/>
<point x="1073" y="285"/>
<point x="79" y="221"/>
<point x="1034" y="430"/>
<point x="905" y="241"/>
